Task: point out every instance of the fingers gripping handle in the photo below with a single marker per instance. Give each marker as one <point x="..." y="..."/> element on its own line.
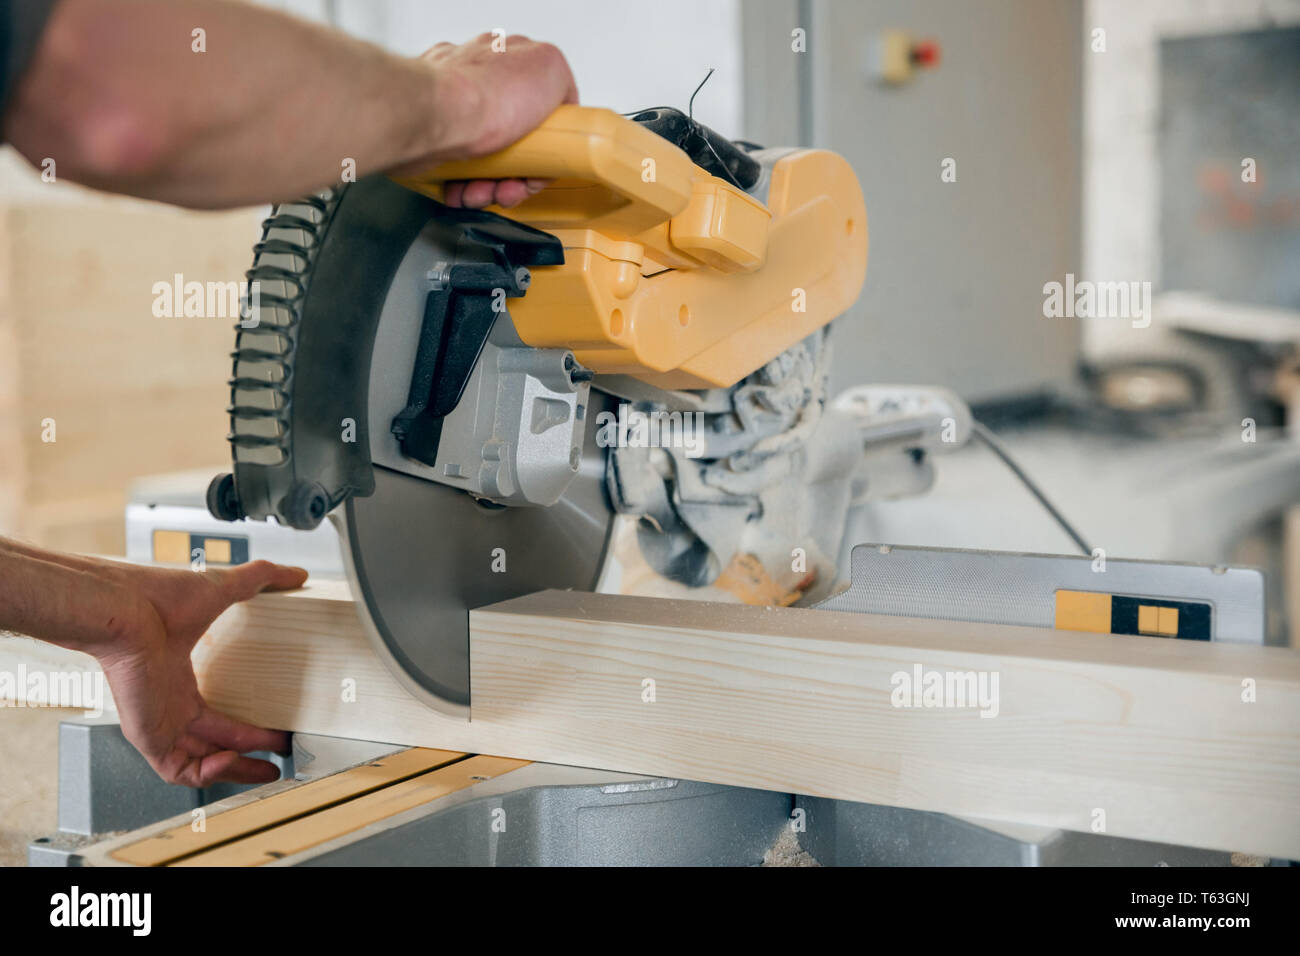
<point x="583" y="146"/>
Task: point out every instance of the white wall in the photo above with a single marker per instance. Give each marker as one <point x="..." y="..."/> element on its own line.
<point x="625" y="55"/>
<point x="1121" y="186"/>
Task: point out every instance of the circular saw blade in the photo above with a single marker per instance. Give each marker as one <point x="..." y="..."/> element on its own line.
<point x="420" y="554"/>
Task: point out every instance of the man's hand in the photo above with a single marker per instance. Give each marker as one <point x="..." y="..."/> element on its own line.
<point x="491" y="92"/>
<point x="148" y="668"/>
<point x="141" y="623"/>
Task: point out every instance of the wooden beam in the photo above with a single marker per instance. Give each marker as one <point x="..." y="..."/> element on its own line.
<point x="85" y="391"/>
<point x="1149" y="738"/>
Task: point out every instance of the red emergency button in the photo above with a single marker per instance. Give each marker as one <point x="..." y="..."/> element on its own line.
<point x="924" y="54"/>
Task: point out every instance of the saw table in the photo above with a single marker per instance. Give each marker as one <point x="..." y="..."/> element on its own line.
<point x="342" y="807"/>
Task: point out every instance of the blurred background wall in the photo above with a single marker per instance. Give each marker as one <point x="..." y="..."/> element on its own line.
<point x="1122" y="99"/>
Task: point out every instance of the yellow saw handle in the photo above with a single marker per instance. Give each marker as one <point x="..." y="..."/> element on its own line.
<point x="592" y="150"/>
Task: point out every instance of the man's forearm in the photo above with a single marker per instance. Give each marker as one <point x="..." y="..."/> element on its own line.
<point x="11" y="546"/>
<point x="270" y="110"/>
<point x="47" y="595"/>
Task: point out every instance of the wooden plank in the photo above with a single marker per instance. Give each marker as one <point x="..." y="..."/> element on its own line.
<point x="187" y="434"/>
<point x="1147" y="738"/>
<point x="23" y="656"/>
<point x="131" y="394"/>
<point x="181" y="841"/>
<point x="318" y="828"/>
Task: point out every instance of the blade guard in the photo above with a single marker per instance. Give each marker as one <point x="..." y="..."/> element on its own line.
<point x="298" y="412"/>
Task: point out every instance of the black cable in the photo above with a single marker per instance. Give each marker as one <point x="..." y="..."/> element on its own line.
<point x="690" y="105"/>
<point x="694" y="129"/>
<point x="994" y="444"/>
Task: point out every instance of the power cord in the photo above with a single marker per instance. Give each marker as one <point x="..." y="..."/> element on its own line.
<point x="994" y="444"/>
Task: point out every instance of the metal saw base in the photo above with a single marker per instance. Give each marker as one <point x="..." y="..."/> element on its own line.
<point x="558" y="816"/>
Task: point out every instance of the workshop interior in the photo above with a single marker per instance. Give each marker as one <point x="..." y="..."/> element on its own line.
<point x="956" y="318"/>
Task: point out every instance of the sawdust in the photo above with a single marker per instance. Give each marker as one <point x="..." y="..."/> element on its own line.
<point x="747" y="579"/>
<point x="29" y="739"/>
<point x="786" y="851"/>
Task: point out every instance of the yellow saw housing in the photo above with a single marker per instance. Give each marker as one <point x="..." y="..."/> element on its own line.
<point x="671" y="275"/>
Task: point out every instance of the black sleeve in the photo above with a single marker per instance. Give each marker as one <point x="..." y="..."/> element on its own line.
<point x="21" y="24"/>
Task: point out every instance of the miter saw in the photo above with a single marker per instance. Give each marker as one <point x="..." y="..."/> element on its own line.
<point x="482" y="399"/>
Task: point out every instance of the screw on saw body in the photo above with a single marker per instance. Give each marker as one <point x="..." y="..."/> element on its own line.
<point x="576" y="372"/>
<point x="439" y="278"/>
<point x="306" y="505"/>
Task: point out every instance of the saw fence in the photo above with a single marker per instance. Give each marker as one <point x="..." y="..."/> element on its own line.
<point x="1174" y="741"/>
